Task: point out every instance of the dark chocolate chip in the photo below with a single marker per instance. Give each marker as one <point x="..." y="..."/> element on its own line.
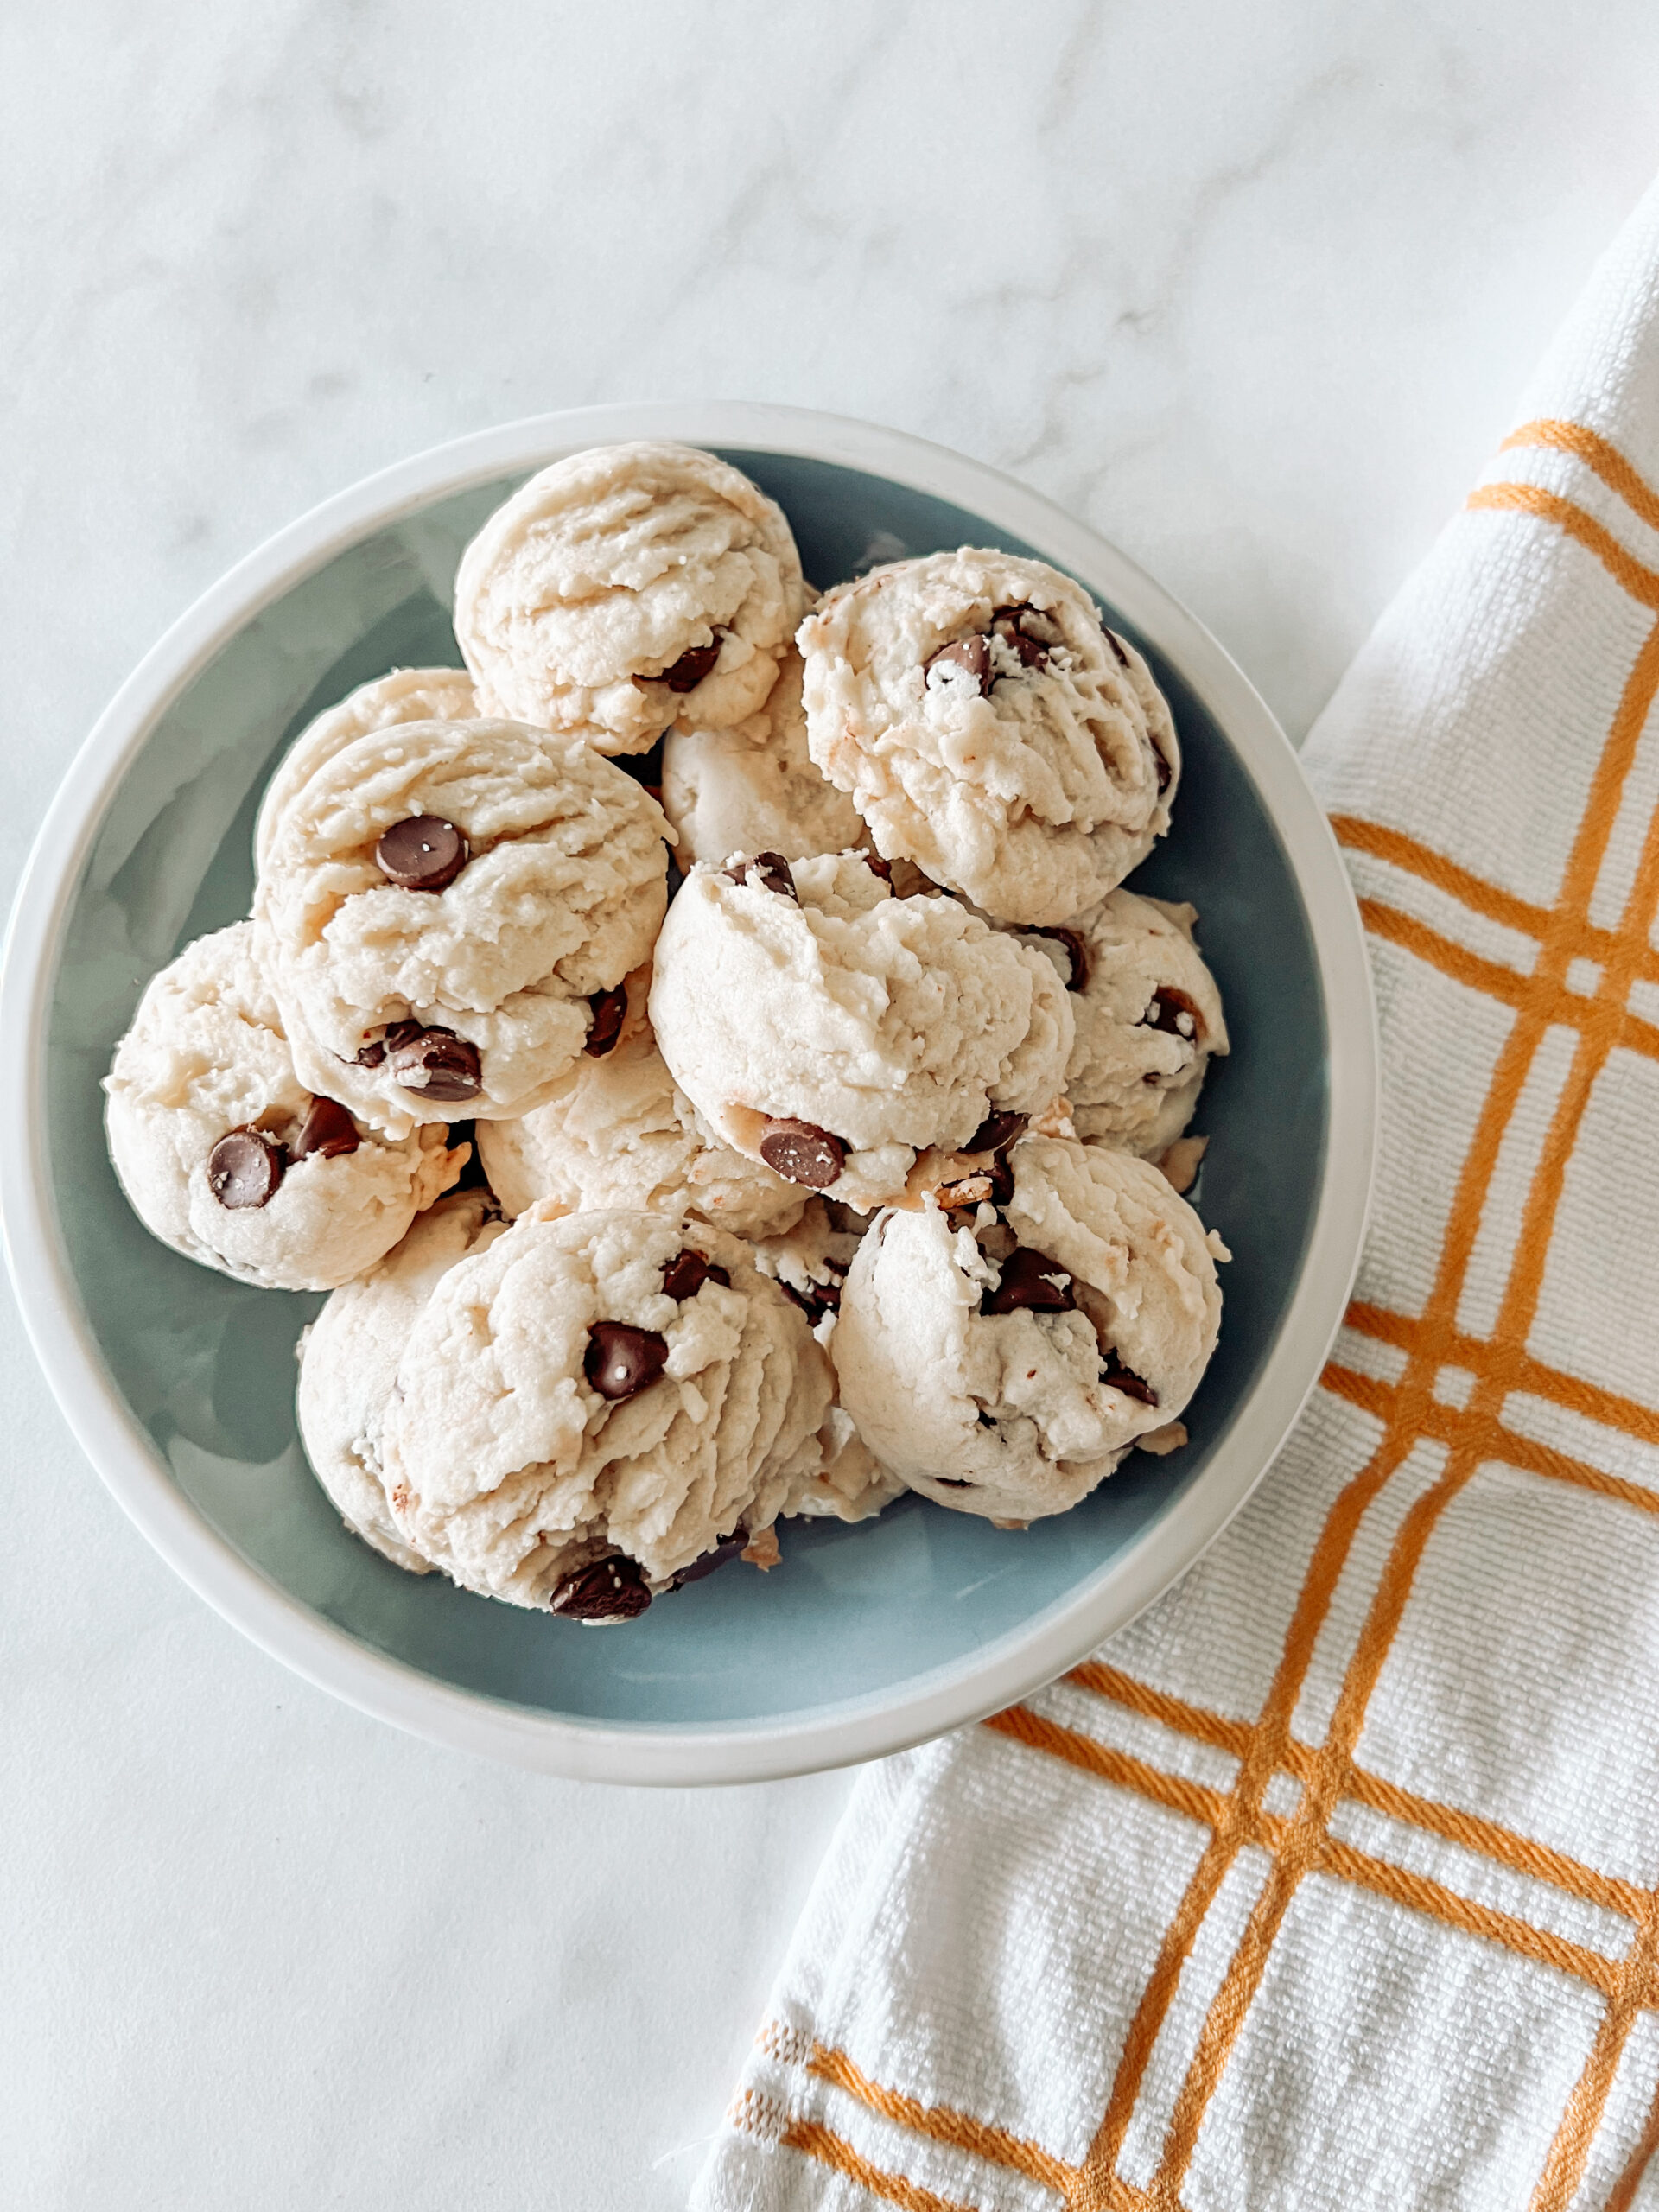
<point x="374" y="1053"/>
<point x="1125" y="1379"/>
<point x="877" y="866"/>
<point x="621" y="1359"/>
<point x="1028" y="1286"/>
<point x="1012" y="625"/>
<point x="1169" y="1006"/>
<point x="997" y="1131"/>
<point x="687" y="1271"/>
<point x="436" y="1064"/>
<point x="328" y="1129"/>
<point x="771" y="871"/>
<point x="972" y="653"/>
<point x="730" y="1548"/>
<point x="605" y="1590"/>
<point x="1116" y="644"/>
<point x="801" y="1153"/>
<point x="817" y="1300"/>
<point x="423" y="853"/>
<point x="1076" y="952"/>
<point x="693" y="665"/>
<point x="244" y="1169"/>
<point x="610" y="1012"/>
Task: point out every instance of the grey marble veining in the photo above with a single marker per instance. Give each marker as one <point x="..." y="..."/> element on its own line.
<point x="1252" y="290"/>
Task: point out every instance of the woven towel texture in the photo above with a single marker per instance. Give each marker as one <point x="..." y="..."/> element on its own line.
<point x="1333" y="1881"/>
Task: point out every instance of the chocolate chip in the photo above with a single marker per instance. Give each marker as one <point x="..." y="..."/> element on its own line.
<point x="802" y="1154"/>
<point x="693" y="665"/>
<point x="730" y="1548"/>
<point x="423" y="853"/>
<point x="1076" y="952"/>
<point x="687" y="1271"/>
<point x="771" y="871"/>
<point x="1116" y="644"/>
<point x="610" y="1012"/>
<point x="374" y="1053"/>
<point x="1125" y="1379"/>
<point x="815" y="1300"/>
<point x="877" y="866"/>
<point x="435" y="1063"/>
<point x="244" y="1169"/>
<point x="621" y="1359"/>
<point x="605" y="1590"/>
<point x="1168" y="1009"/>
<point x="1013" y="625"/>
<point x="328" y="1129"/>
<point x="997" y="1131"/>
<point x="972" y="653"/>
<point x="1028" y="1286"/>
<point x="957" y="1482"/>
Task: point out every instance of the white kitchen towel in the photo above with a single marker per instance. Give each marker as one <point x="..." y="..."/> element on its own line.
<point x="1332" y="1881"/>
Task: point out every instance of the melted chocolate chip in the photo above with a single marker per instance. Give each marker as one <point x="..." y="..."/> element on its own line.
<point x="1168" y="1008"/>
<point x="244" y="1169"/>
<point x="610" y="1012"/>
<point x="1028" y="1286"/>
<point x="877" y="866"/>
<point x="1076" y="952"/>
<point x="802" y="1154"/>
<point x="1125" y="1379"/>
<point x="972" y="653"/>
<point x="605" y="1590"/>
<point x="997" y="1131"/>
<point x="1116" y="644"/>
<point x="815" y="1300"/>
<point x="730" y="1548"/>
<point x="621" y="1359"/>
<point x="426" y="853"/>
<point x="436" y="1064"/>
<point x="771" y="871"/>
<point x="693" y="665"/>
<point x="328" y="1129"/>
<point x="687" y="1271"/>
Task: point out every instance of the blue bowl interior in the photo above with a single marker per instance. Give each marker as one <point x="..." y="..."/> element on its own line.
<point x="207" y="1367"/>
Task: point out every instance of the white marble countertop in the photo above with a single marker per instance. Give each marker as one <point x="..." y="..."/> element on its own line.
<point x="1252" y="289"/>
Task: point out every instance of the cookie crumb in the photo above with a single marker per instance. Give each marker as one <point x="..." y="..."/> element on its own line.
<point x="1162" y="1441"/>
<point x="762" y="1550"/>
<point x="1180" y="1163"/>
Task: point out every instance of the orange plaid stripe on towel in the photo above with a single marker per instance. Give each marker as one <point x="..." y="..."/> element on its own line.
<point x="1334" y="1881"/>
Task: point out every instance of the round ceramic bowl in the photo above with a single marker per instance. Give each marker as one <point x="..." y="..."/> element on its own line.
<point x="179" y="1384"/>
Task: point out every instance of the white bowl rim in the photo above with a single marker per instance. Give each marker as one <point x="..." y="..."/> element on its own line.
<point x="976" y="1683"/>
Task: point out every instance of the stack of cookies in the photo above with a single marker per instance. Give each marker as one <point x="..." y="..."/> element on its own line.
<point x="660" y="1199"/>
